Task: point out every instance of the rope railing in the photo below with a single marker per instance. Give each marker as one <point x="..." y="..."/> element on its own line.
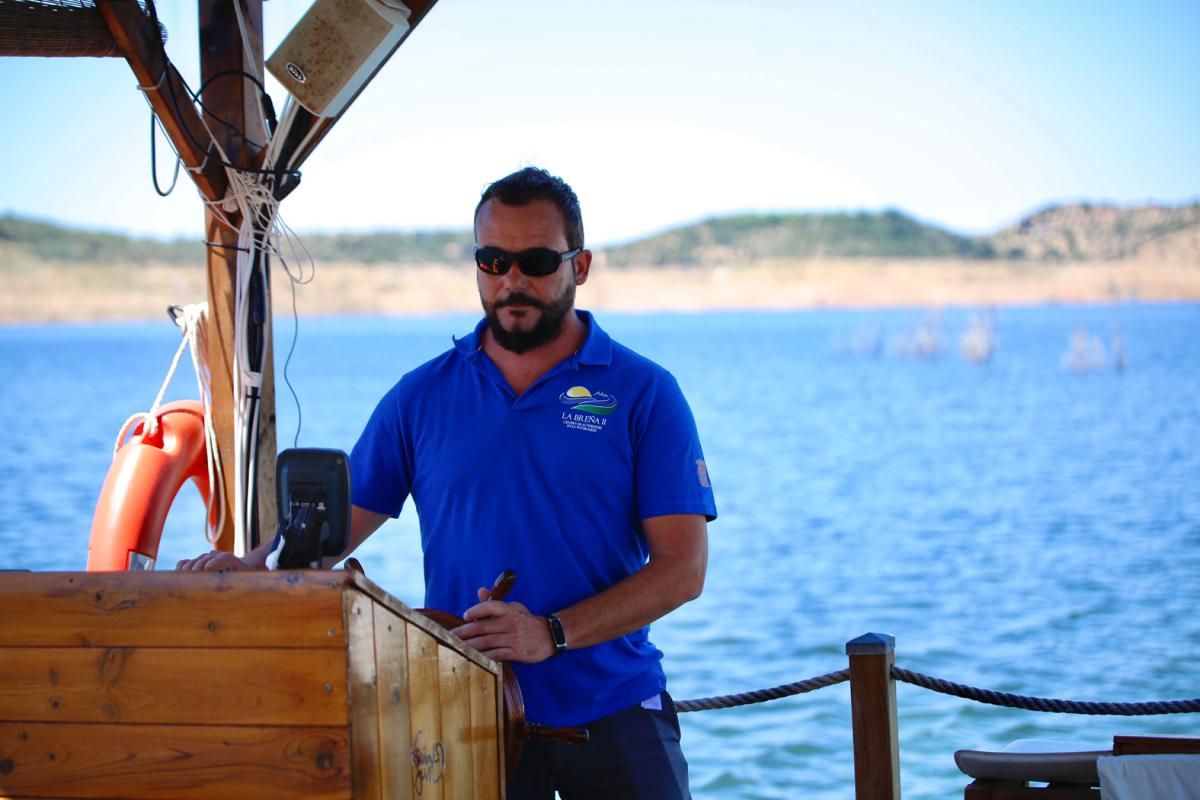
<point x="873" y="675"/>
<point x="1097" y="708"/>
<point x="763" y="695"/>
<point x="989" y="696"/>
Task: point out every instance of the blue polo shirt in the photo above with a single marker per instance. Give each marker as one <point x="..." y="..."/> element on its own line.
<point x="552" y="484"/>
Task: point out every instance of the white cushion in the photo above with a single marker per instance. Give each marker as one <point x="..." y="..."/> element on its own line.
<point x="1152" y="777"/>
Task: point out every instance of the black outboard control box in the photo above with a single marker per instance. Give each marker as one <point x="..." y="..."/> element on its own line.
<point x="313" y="486"/>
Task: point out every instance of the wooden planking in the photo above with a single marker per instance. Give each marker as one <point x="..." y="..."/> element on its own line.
<point x="455" y="689"/>
<point x="204" y="701"/>
<point x="54" y="31"/>
<point x="173" y="762"/>
<point x="416" y="618"/>
<point x="424" y="701"/>
<point x="1012" y="790"/>
<point x="395" y="737"/>
<point x="1146" y="744"/>
<point x="174" y="685"/>
<point x="486" y="731"/>
<point x="364" y="701"/>
<point x="172" y="609"/>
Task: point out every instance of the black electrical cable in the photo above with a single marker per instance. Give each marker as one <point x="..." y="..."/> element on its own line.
<point x="249" y="446"/>
<point x="268" y="106"/>
<point x="278" y="174"/>
<point x="256" y="345"/>
<point x="287" y="363"/>
<point x="225" y="72"/>
<point x="154" y="162"/>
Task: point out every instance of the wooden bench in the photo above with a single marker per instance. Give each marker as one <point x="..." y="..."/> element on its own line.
<point x="1068" y="774"/>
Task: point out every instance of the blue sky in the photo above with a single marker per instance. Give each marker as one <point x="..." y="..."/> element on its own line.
<point x="661" y="112"/>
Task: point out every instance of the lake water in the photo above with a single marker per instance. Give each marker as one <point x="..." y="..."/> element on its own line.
<point x="1018" y="524"/>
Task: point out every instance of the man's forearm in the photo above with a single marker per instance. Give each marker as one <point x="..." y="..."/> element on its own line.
<point x="652" y="592"/>
<point x="673" y="576"/>
<point x="257" y="558"/>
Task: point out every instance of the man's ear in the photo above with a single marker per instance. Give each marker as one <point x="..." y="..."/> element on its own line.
<point x="583" y="266"/>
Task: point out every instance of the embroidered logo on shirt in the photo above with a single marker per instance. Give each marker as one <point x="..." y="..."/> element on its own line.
<point x="580" y="398"/>
<point x="588" y="410"/>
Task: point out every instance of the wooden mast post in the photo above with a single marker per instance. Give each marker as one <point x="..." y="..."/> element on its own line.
<point x="230" y="97"/>
<point x="230" y="111"/>
<point x="873" y="708"/>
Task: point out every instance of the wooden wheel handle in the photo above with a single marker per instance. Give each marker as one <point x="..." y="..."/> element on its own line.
<point x="516" y="729"/>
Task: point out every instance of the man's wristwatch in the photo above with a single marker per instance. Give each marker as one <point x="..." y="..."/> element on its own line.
<point x="558" y="637"/>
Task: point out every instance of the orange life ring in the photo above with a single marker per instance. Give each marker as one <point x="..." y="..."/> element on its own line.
<point x="147" y="472"/>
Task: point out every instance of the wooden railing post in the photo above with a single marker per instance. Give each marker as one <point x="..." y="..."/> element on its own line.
<point x="873" y="707"/>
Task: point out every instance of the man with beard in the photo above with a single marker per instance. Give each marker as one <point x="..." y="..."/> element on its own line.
<point x="540" y="445"/>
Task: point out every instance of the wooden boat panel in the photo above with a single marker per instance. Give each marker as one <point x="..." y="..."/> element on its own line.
<point x="364" y="703"/>
<point x="166" y="609"/>
<point x="173" y="762"/>
<point x="186" y="686"/>
<point x="486" y="735"/>
<point x="256" y="685"/>
<point x="424" y="699"/>
<point x="395" y="738"/>
<point x="456" y="724"/>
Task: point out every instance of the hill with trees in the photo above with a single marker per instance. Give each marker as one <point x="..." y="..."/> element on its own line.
<point x="1077" y="232"/>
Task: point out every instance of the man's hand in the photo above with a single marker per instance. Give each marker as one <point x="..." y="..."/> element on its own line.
<point x="362" y="524"/>
<point x="505" y="631"/>
<point x="215" y="561"/>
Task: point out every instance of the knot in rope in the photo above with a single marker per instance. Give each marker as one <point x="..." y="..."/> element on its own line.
<point x="190" y="320"/>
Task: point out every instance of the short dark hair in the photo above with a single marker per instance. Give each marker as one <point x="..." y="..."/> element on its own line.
<point x="532" y="183"/>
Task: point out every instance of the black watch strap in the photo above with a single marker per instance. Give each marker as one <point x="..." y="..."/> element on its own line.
<point x="557" y="635"/>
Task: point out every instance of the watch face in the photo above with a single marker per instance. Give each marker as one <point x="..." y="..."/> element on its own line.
<point x="557" y="634"/>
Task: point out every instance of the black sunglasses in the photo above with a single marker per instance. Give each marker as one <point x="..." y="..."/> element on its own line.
<point x="535" y="263"/>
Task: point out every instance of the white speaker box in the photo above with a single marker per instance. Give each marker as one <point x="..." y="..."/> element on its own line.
<point x="334" y="50"/>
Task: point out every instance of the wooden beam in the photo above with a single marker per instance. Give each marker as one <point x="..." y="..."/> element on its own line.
<point x="230" y="103"/>
<point x="222" y="250"/>
<point x="307" y="123"/>
<point x="139" y="40"/>
<point x="1149" y="744"/>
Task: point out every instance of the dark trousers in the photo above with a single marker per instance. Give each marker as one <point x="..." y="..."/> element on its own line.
<point x="633" y="754"/>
